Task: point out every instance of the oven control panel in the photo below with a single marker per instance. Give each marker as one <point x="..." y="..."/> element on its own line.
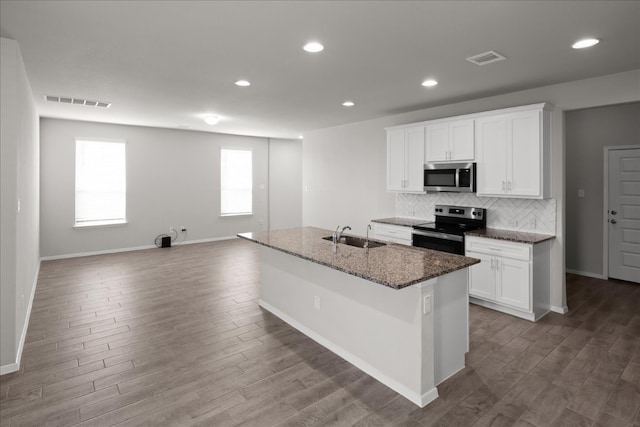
<point x="460" y="212"/>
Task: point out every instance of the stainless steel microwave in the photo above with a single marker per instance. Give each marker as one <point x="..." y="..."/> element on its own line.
<point x="451" y="177"/>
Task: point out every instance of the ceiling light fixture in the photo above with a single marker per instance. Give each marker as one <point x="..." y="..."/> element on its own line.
<point x="211" y="119"/>
<point x="429" y="83"/>
<point x="581" y="44"/>
<point x="243" y="83"/>
<point x="313" y="47"/>
<point x="348" y="103"/>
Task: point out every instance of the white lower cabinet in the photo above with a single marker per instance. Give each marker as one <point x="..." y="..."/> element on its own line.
<point x="511" y="277"/>
<point x="393" y="233"/>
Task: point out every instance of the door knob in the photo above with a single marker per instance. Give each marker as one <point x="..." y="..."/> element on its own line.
<point x="613" y="221"/>
<point x="614" y="213"/>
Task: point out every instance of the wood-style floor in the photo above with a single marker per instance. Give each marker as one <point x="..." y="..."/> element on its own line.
<point x="175" y="337"/>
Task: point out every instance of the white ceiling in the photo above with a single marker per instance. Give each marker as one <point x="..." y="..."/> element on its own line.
<point x="167" y="63"/>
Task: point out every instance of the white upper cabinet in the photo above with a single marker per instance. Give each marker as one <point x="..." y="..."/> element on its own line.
<point x="405" y="156"/>
<point x="450" y="141"/>
<point x="513" y="154"/>
<point x="511" y="148"/>
<point x="395" y="160"/>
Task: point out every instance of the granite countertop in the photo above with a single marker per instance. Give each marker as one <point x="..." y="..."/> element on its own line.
<point x="405" y="222"/>
<point x="396" y="266"/>
<point x="510" y="235"/>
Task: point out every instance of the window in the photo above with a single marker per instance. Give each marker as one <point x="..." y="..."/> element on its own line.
<point x="236" y="182"/>
<point x="101" y="190"/>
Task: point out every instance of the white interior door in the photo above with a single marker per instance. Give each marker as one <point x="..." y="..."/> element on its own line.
<point x="624" y="214"/>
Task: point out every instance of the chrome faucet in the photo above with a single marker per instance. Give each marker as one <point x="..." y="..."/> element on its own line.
<point x="334" y="236"/>
<point x="366" y="243"/>
<point x="339" y="234"/>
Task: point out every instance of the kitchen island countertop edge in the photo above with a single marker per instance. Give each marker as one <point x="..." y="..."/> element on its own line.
<point x="393" y="265"/>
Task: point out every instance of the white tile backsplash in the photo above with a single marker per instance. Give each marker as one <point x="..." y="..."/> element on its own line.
<point x="535" y="216"/>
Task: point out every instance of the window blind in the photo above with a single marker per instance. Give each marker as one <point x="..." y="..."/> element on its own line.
<point x="236" y="182"/>
<point x="101" y="188"/>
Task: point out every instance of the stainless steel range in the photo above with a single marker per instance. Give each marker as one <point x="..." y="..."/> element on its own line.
<point x="446" y="233"/>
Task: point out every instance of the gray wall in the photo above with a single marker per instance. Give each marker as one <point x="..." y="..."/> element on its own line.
<point x="344" y="168"/>
<point x="173" y="179"/>
<point x="587" y="132"/>
<point x="19" y="229"/>
<point x="285" y="183"/>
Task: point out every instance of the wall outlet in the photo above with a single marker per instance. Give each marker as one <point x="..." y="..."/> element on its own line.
<point x="533" y="223"/>
<point x="580" y="192"/>
<point x="426" y="305"/>
<point x="316" y="302"/>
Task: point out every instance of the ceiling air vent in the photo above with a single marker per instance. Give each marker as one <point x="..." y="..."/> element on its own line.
<point x="486" y="58"/>
<point x="77" y="101"/>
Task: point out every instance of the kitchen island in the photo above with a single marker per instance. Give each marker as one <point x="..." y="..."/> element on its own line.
<point x="398" y="313"/>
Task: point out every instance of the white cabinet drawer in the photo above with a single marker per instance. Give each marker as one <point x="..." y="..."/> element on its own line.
<point x="393" y="233"/>
<point x="498" y="248"/>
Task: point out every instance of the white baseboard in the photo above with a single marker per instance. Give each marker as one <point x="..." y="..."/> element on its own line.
<point x="504" y="309"/>
<point x="130" y="249"/>
<point x="92" y="253"/>
<point x="421" y="401"/>
<point x="213" y="239"/>
<point x="561" y="310"/>
<point x="586" y="273"/>
<point x="13" y="367"/>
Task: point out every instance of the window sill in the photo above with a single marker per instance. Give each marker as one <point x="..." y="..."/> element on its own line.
<point x="100" y="224"/>
<point x="233" y="215"/>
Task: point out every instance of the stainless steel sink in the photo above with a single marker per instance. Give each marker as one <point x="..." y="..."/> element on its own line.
<point x="358" y="242"/>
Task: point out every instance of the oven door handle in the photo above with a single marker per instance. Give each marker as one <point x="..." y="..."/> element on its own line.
<point x="443" y="236"/>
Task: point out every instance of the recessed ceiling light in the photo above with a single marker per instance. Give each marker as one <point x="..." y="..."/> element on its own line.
<point x="300" y="137"/>
<point x="211" y="119"/>
<point x="348" y="103"/>
<point x="313" y="47"/>
<point x="581" y="44"/>
<point x="243" y="83"/>
<point x="429" y="83"/>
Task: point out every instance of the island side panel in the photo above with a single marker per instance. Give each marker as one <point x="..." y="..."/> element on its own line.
<point x="451" y="323"/>
<point x="378" y="329"/>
